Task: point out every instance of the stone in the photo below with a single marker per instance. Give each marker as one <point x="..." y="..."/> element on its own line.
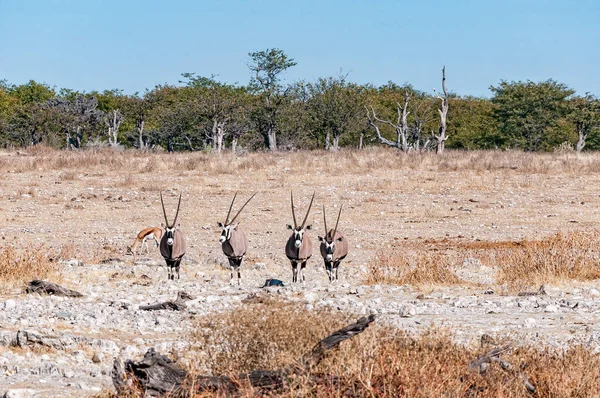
<point x="408" y="310"/>
<point x="19" y="393"/>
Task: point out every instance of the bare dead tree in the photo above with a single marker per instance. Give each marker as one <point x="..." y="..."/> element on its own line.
<point x="443" y="111"/>
<point x="113" y="120"/>
<point x="421" y="116"/>
<point x="400" y="126"/>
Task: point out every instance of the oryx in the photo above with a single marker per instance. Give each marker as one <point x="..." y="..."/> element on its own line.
<point x="299" y="246"/>
<point x="172" y="244"/>
<point x="233" y="240"/>
<point x="334" y="247"/>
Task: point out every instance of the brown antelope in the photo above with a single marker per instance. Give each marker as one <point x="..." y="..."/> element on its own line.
<point x="233" y="240"/>
<point x="172" y="244"/>
<point x="143" y="236"/>
<point x="334" y="247"/>
<point x="299" y="246"/>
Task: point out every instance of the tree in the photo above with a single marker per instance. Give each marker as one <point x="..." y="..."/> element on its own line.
<point x="113" y="120"/>
<point x="335" y="108"/>
<point x="584" y="114"/>
<point x="443" y="111"/>
<point x="266" y="68"/>
<point x="217" y="104"/>
<point x="527" y="111"/>
<point x="473" y="125"/>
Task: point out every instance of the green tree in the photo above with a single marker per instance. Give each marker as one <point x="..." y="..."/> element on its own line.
<point x="266" y="68"/>
<point x="528" y="113"/>
<point x="335" y="107"/>
<point x="584" y="115"/>
<point x="472" y="124"/>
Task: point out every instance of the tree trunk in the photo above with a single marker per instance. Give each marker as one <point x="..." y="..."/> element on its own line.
<point x="220" y="134"/>
<point x="360" y="142"/>
<point x="336" y="142"/>
<point x="581" y="140"/>
<point x="443" y="111"/>
<point x="140" y="129"/>
<point x="327" y="140"/>
<point x="271" y="139"/>
<point x="234" y="141"/>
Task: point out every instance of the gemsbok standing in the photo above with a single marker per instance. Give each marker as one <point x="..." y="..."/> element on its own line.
<point x="172" y="244"/>
<point x="143" y="237"/>
<point x="299" y="246"/>
<point x="233" y="240"/>
<point x="334" y="247"/>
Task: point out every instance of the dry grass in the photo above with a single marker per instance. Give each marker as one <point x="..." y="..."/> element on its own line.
<point x="557" y="258"/>
<point x="560" y="257"/>
<point x="395" y="266"/>
<point x="381" y="362"/>
<point x="18" y="266"/>
<point x="368" y="160"/>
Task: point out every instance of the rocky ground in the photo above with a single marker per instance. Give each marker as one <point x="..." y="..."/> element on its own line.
<point x="53" y="346"/>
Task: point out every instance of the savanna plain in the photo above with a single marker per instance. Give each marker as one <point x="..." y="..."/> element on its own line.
<point x="457" y="255"/>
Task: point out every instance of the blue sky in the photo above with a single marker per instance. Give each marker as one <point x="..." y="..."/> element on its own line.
<point x="134" y="45"/>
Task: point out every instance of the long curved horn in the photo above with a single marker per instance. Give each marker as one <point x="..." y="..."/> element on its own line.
<point x="177" y="213"/>
<point x="325" y="221"/>
<point x="293" y="213"/>
<point x="242" y="208"/>
<point x="336" y="223"/>
<point x="308" y="211"/>
<point x="164" y="212"/>
<point x="230" y="207"/>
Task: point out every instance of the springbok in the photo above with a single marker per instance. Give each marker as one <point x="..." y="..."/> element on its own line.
<point x="298" y="248"/>
<point x="233" y="240"/>
<point x="334" y="247"/>
<point x="172" y="244"/>
<point x="143" y="236"/>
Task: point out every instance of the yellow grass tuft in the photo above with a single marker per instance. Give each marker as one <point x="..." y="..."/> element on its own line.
<point x="18" y="266"/>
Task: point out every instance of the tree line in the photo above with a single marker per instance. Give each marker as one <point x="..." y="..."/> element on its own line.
<point x="203" y="113"/>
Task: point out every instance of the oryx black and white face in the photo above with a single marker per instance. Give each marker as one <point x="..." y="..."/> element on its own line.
<point x="329" y="246"/>
<point x="226" y="231"/>
<point x="170" y="233"/>
<point x="299" y="234"/>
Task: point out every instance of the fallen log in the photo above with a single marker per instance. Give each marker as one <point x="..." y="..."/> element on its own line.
<point x="177" y="305"/>
<point x="156" y="375"/>
<point x="44" y="287"/>
<point x="540" y="292"/>
<point x="482" y="363"/>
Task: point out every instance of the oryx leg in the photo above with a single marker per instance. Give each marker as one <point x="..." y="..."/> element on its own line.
<point x="294" y="271"/>
<point x="178" y="264"/>
<point x="239" y="264"/>
<point x="231" y="269"/>
<point x="328" y="269"/>
<point x="336" y="266"/>
<point x="302" y="271"/>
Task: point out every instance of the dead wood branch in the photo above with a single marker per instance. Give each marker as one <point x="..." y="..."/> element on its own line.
<point x="156" y="375"/>
<point x="481" y="365"/>
<point x="43" y="287"/>
<point x="177" y="305"/>
<point x="541" y="292"/>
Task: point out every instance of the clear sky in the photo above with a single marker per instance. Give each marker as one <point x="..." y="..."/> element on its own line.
<point x="133" y="45"/>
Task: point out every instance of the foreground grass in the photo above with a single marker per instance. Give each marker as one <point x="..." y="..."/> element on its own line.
<point x="381" y="362"/>
<point x="557" y="258"/>
<point x="20" y="265"/>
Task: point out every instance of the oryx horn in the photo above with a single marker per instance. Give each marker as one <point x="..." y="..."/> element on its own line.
<point x="242" y="208"/>
<point x="293" y="213"/>
<point x="325" y="221"/>
<point x="165" y="212"/>
<point x="230" y="207"/>
<point x="177" y="213"/>
<point x="336" y="223"/>
<point x="308" y="211"/>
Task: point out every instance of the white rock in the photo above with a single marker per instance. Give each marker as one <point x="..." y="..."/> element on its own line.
<point x="408" y="310"/>
<point x="19" y="393"/>
<point x="9" y="304"/>
<point x="551" y="308"/>
<point x="594" y="292"/>
<point x="530" y="323"/>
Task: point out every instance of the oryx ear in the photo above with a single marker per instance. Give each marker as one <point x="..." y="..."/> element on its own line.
<point x="320" y="238"/>
<point x="234" y="227"/>
<point x="341" y="238"/>
<point x="308" y="227"/>
<point x="162" y="224"/>
<point x="220" y="224"/>
<point x="289" y="227"/>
